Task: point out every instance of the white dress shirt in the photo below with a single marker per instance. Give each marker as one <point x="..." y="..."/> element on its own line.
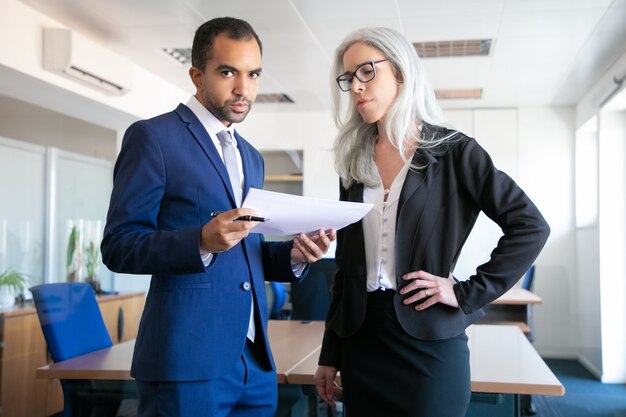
<point x="379" y="230"/>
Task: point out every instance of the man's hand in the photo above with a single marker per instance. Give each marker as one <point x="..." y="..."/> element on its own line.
<point x="223" y="231"/>
<point x="308" y="249"/>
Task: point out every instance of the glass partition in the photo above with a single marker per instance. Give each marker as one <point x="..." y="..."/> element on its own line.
<point x="81" y="187"/>
<point x="22" y="210"/>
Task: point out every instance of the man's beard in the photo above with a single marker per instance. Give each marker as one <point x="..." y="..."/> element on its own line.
<point x="223" y="112"/>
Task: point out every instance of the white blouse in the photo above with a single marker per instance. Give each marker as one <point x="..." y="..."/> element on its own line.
<point x="379" y="229"/>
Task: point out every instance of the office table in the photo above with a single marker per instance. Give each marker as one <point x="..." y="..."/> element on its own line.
<point x="292" y="342"/>
<point x="514" y="307"/>
<point x="501" y="361"/>
<point x="503" y="364"/>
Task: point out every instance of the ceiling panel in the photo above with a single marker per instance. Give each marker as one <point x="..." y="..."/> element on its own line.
<point x="458" y="19"/>
<point x="517" y="23"/>
<point x="551" y="5"/>
<point x="544" y="51"/>
<point x="412" y="8"/>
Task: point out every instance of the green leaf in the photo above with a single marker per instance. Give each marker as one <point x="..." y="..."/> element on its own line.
<point x="71" y="245"/>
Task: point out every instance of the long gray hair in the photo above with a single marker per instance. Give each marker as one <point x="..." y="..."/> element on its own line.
<point x="415" y="103"/>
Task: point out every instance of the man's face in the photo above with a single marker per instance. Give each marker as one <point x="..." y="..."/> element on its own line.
<point x="229" y="83"/>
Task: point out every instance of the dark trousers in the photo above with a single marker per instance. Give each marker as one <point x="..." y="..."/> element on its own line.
<point x="248" y="390"/>
<point x="386" y="372"/>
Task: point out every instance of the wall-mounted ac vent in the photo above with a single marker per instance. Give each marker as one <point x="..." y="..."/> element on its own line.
<point x="273" y="98"/>
<point x="74" y="56"/>
<point x="459" y="93"/>
<point x="443" y="49"/>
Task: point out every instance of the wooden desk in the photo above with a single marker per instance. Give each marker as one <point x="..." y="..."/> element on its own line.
<point x="292" y="342"/>
<point x="501" y="360"/>
<point x="503" y="363"/>
<point x="504" y="368"/>
<point x="515" y="307"/>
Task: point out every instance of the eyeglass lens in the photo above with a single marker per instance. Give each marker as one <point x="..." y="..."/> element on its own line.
<point x="365" y="73"/>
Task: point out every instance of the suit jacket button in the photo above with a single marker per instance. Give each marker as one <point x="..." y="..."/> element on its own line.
<point x="246" y="286"/>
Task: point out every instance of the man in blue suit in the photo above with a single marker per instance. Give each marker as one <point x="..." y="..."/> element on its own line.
<point x="202" y="347"/>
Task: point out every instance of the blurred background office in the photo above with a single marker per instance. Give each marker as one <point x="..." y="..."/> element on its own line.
<point x="539" y="83"/>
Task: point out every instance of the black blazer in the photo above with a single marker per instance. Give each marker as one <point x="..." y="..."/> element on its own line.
<point x="437" y="209"/>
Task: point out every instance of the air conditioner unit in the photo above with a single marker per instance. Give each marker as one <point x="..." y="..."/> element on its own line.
<point x="74" y="56"/>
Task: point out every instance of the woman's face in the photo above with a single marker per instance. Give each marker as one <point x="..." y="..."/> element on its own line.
<point x="374" y="98"/>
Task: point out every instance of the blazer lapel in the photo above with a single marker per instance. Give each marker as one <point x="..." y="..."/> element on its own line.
<point x="245" y="161"/>
<point x="410" y="207"/>
<point x="204" y="140"/>
<point x="353" y="247"/>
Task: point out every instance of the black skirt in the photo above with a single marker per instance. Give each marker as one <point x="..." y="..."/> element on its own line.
<point x="387" y="373"/>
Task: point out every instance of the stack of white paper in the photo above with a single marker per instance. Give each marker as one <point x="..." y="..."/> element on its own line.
<point x="288" y="214"/>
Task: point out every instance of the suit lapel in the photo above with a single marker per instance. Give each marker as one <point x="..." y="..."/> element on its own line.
<point x="204" y="140"/>
<point x="415" y="178"/>
<point x="353" y="248"/>
<point x="245" y="161"/>
<point x="410" y="207"/>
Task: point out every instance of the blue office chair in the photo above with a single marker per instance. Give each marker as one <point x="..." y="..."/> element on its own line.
<point x="527" y="284"/>
<point x="310" y="298"/>
<point x="279" y="297"/>
<point x="72" y="325"/>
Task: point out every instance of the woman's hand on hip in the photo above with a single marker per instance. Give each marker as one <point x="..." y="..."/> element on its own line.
<point x="324" y="380"/>
<point x="431" y="288"/>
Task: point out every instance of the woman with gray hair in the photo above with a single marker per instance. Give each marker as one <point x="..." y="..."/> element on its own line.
<point x="396" y="324"/>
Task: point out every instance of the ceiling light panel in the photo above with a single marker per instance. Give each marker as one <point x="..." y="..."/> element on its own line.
<point x="182" y="55"/>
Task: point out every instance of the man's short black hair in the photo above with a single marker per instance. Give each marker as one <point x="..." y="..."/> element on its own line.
<point x="236" y="29"/>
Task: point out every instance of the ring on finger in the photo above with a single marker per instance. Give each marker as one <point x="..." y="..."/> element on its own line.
<point x="426" y="292"/>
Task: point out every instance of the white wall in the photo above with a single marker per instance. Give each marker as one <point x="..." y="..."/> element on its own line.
<point x="546" y="162"/>
<point x="588" y="247"/>
<point x="600" y="279"/>
<point x="612" y="238"/>
<point x="34" y="124"/>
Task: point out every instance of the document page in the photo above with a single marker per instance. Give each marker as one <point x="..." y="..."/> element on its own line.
<point x="287" y="214"/>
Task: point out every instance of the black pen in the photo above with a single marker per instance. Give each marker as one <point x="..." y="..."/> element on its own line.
<point x="246" y="218"/>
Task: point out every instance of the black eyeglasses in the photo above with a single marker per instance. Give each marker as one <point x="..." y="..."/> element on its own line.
<point x="365" y="73"/>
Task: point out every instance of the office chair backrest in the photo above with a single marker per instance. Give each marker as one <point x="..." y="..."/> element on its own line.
<point x="527" y="284"/>
<point x="279" y="296"/>
<point x="310" y="298"/>
<point x="70" y="318"/>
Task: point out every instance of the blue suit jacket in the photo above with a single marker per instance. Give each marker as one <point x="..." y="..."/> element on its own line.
<point x="168" y="178"/>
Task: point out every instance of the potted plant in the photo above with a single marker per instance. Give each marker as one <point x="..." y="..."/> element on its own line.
<point x="72" y="259"/>
<point x="11" y="284"/>
<point x="92" y="260"/>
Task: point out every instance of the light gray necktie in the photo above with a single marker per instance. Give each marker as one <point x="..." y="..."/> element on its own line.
<point x="230" y="160"/>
